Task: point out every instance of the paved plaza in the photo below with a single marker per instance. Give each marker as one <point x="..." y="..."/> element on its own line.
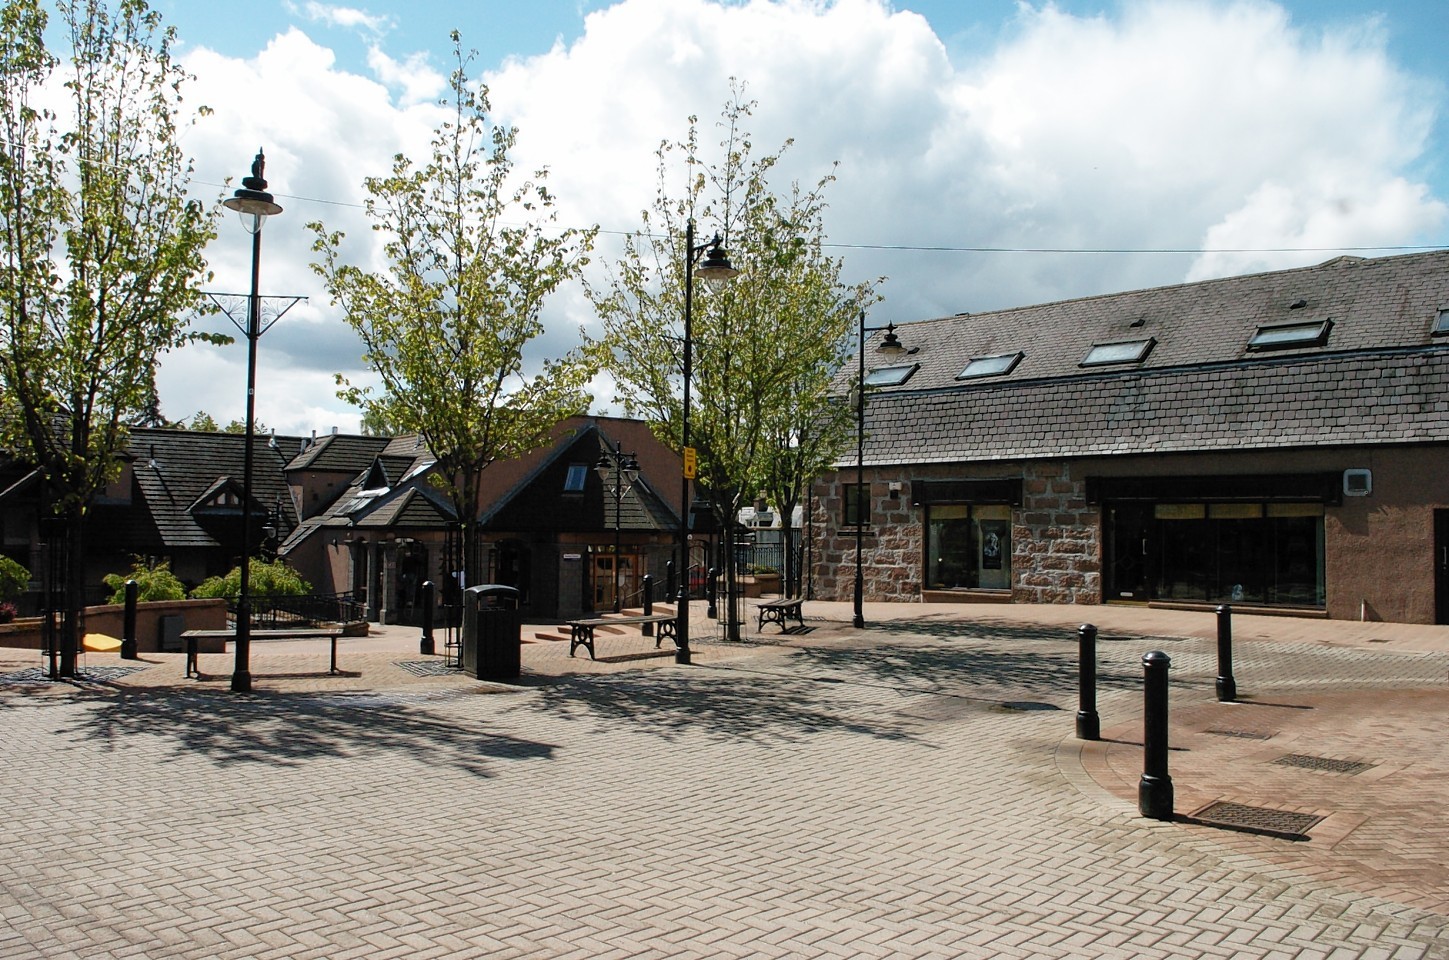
<point x="912" y="789"/>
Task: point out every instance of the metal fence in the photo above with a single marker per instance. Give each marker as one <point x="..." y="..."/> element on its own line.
<point x="302" y="611"/>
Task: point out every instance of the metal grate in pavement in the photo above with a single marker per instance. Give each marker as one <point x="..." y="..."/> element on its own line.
<point x="1264" y="820"/>
<point x="1325" y="764"/>
<point x="87" y="675"/>
<point x="427" y="668"/>
<point x="1244" y="734"/>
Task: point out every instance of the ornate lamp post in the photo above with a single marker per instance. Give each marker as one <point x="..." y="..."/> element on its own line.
<point x="254" y="205"/>
<point x="623" y="470"/>
<point x="716" y="269"/>
<point x="891" y="345"/>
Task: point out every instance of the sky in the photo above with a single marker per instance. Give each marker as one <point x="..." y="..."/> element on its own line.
<point x="991" y="153"/>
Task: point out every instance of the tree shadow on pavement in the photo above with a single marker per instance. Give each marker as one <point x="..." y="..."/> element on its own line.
<point x="747" y="704"/>
<point x="289" y="730"/>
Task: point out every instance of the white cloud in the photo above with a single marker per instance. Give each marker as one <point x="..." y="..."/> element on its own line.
<point x="1171" y="124"/>
<point x="346" y="17"/>
<point x="414" y="76"/>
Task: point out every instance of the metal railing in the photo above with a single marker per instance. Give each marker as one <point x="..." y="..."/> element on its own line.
<point x="271" y="612"/>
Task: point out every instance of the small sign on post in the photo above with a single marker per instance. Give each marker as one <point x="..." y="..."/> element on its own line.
<point x="691" y="463"/>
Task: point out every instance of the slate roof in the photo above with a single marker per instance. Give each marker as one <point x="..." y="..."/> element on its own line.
<point x="174" y="469"/>
<point x="1381" y="377"/>
<point x="345" y="453"/>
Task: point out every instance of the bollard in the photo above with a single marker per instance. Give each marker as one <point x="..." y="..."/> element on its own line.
<point x="647" y="586"/>
<point x="128" y="630"/>
<point x="1227" y="687"/>
<point x="669" y="590"/>
<point x="709" y="592"/>
<point x="1154" y="791"/>
<point x="426" y="646"/>
<point x="1089" y="725"/>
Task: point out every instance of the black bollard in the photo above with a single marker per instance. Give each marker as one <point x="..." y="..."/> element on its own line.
<point x="128" y="630"/>
<point x="709" y="591"/>
<point x="647" y="586"/>
<point x="1227" y="687"/>
<point x="1089" y="725"/>
<point x="426" y="646"/>
<point x="669" y="586"/>
<point x="1154" y="791"/>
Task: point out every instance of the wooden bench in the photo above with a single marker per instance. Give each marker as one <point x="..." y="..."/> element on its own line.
<point x="776" y="611"/>
<point x="582" y="631"/>
<point x="312" y="633"/>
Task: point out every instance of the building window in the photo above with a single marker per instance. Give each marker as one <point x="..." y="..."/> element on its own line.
<point x="968" y="546"/>
<point x="857" y="504"/>
<point x="1129" y="351"/>
<point x="578" y="474"/>
<point x="1285" y="335"/>
<point x="990" y="366"/>
<point x="890" y="376"/>
<point x="1441" y="324"/>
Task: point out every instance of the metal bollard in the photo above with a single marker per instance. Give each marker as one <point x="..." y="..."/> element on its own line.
<point x="1154" y="791"/>
<point x="709" y="591"/>
<point x="647" y="585"/>
<point x="1089" y="725"/>
<point x="128" y="630"/>
<point x="1227" y="687"/>
<point x="669" y="589"/>
<point x="426" y="646"/>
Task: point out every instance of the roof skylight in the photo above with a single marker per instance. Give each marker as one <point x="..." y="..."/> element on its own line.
<point x="990" y="366"/>
<point x="1127" y="351"/>
<point x="890" y="376"/>
<point x="1441" y="323"/>
<point x="1284" y="335"/>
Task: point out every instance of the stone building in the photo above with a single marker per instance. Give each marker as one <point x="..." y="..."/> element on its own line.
<point x="1275" y="441"/>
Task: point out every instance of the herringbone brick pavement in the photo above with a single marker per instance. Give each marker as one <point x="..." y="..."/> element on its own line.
<point x="909" y="791"/>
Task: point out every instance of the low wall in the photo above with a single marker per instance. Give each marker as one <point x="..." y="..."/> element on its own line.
<point x="110" y="619"/>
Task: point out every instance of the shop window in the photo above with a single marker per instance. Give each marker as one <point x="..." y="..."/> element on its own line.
<point x="968" y="546"/>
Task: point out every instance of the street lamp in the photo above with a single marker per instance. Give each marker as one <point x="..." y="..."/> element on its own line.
<point x="254" y="205"/>
<point x="716" y="269"/>
<point x="624" y="469"/>
<point x="890" y="345"/>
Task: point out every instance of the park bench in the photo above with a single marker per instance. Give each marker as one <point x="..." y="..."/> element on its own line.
<point x="582" y="631"/>
<point x="776" y="611"/>
<point x="311" y="633"/>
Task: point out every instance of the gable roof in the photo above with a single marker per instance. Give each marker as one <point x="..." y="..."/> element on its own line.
<point x="1381" y="375"/>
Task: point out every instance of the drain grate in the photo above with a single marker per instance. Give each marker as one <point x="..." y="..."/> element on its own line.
<point x="1264" y="820"/>
<point x="427" y="668"/>
<point x="1325" y="764"/>
<point x="1243" y="734"/>
<point x="82" y="675"/>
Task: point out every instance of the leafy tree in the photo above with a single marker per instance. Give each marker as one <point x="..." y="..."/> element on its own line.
<point x="154" y="581"/>
<point x="203" y="422"/>
<point x="766" y="345"/>
<point x="13" y="579"/>
<point x="101" y="252"/>
<point x="470" y="259"/>
<point x="266" y="579"/>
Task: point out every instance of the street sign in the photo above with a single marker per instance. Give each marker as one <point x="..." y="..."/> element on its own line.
<point x="691" y="463"/>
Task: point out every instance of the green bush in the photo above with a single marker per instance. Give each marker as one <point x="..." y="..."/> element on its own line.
<point x="153" y="582"/>
<point x="274" y="579"/>
<point x="13" y="579"/>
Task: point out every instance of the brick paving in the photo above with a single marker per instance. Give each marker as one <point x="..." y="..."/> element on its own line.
<point x="910" y="790"/>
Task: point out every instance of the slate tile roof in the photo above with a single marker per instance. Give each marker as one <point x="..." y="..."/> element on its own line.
<point x="1382" y="376"/>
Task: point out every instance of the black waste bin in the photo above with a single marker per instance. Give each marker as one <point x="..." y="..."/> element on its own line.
<point x="491" y="632"/>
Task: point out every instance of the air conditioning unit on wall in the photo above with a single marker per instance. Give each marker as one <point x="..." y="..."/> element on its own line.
<point x="1358" y="482"/>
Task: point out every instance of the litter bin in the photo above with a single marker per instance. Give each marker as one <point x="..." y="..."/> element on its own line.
<point x="491" y="632"/>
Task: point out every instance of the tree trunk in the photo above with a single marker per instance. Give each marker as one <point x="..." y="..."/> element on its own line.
<point x="72" y="620"/>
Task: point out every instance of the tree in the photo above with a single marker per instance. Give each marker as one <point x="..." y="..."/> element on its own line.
<point x="154" y="581"/>
<point x="765" y="346"/>
<point x="102" y="252"/>
<point x="203" y="422"/>
<point x="471" y="258"/>
<point x="265" y="579"/>
<point x="13" y="579"/>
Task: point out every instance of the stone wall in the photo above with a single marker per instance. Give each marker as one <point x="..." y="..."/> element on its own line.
<point x="1056" y="554"/>
<point x="891" y="548"/>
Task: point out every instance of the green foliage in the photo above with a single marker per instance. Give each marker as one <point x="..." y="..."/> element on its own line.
<point x="203" y="422"/>
<point x="472" y="251"/>
<point x="274" y="579"/>
<point x="13" y="579"/>
<point x="154" y="581"/>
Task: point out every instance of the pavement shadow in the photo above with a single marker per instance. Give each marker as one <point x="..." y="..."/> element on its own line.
<point x="761" y="706"/>
<point x="292" y="729"/>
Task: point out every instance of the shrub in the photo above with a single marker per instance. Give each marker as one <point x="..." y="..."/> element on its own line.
<point x="274" y="579"/>
<point x="153" y="582"/>
<point x="13" y="579"/>
<point x="7" y="611"/>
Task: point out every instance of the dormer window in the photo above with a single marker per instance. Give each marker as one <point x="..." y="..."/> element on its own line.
<point x="1127" y="351"/>
<point x="890" y="376"/>
<point x="990" y="366"/>
<point x="1285" y="335"/>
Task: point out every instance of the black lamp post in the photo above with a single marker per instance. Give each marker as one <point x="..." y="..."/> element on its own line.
<point x="623" y="469"/>
<point x="890" y="344"/>
<point x="254" y="205"/>
<point x="716" y="268"/>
